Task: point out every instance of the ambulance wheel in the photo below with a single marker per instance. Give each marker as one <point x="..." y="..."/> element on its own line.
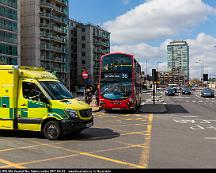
<point x="52" y="130"/>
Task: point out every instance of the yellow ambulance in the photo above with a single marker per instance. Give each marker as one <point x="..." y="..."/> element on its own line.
<point x="35" y="100"/>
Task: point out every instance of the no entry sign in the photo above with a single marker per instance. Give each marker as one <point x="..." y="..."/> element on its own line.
<point x="84" y="74"/>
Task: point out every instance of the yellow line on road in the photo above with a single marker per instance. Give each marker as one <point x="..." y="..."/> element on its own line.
<point x="111" y="160"/>
<point x="31" y="146"/>
<point x="10" y="164"/>
<point x="144" y="160"/>
<point x="49" y="159"/>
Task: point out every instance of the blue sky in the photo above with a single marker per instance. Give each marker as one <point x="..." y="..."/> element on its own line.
<point x="99" y="11"/>
<point x="144" y="27"/>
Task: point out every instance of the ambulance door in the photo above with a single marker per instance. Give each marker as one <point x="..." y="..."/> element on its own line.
<point x="32" y="107"/>
<point x="7" y="99"/>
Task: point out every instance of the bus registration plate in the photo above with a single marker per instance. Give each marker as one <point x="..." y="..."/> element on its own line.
<point x="116" y="108"/>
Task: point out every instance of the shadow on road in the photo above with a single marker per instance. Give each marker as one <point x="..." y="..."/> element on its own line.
<point x="20" y="134"/>
<point x="172" y="108"/>
<point x="88" y="134"/>
<point x="93" y="134"/>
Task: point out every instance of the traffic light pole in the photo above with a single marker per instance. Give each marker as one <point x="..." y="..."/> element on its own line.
<point x="154" y="79"/>
<point x="154" y="92"/>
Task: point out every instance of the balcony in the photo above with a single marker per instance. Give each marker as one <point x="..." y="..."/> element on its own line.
<point x="104" y="44"/>
<point x="62" y="2"/>
<point x="61" y="10"/>
<point x="56" y="39"/>
<point x="56" y="19"/>
<point x="53" y="59"/>
<point x="104" y="36"/>
<point x="53" y="49"/>
<point x="59" y="30"/>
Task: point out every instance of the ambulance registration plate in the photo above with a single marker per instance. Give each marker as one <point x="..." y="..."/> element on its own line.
<point x="89" y="124"/>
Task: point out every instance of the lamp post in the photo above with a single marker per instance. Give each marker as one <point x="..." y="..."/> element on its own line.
<point x="201" y="70"/>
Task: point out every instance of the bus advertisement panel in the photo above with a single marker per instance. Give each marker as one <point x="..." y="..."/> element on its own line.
<point x="120" y="82"/>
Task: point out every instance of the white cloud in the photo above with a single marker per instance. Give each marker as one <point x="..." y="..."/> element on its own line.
<point x="202" y="48"/>
<point x="157" y="19"/>
<point x="125" y="1"/>
<point x="145" y="53"/>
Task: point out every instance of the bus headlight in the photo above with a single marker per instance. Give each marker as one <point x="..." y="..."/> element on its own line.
<point x="131" y="101"/>
<point x="71" y="113"/>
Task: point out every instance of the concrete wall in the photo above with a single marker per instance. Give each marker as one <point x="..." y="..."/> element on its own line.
<point x="30" y="35"/>
<point x="19" y="32"/>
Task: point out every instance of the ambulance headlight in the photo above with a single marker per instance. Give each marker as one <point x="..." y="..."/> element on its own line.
<point x="71" y="113"/>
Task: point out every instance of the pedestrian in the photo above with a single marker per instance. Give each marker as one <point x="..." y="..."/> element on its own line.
<point x="97" y="95"/>
<point x="88" y="95"/>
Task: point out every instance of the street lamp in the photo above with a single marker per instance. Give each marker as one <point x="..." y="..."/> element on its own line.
<point x="201" y="71"/>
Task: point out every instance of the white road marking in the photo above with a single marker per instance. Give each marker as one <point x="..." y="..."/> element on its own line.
<point x="210" y="137"/>
<point x="190" y="116"/>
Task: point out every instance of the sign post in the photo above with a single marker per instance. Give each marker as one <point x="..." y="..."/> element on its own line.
<point x="85" y="74"/>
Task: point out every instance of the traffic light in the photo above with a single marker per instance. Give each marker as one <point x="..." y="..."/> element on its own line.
<point x="205" y="77"/>
<point x="154" y="75"/>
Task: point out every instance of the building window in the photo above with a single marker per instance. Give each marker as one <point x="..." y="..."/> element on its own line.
<point x="83" y="29"/>
<point x="83" y="62"/>
<point x="83" y="37"/>
<point x="83" y="45"/>
<point x="83" y="54"/>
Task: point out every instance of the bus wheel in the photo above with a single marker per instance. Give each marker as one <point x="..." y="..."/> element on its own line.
<point x="52" y="130"/>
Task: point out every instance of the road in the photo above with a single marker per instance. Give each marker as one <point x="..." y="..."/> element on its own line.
<point x="182" y="137"/>
<point x="185" y="136"/>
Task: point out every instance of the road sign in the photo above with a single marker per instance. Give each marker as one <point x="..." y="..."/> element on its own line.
<point x="84" y="74"/>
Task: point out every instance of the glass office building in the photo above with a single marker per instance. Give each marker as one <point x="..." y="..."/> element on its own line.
<point x="178" y="58"/>
<point x="9" y="32"/>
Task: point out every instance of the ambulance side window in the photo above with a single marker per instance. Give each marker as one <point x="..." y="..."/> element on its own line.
<point x="31" y="91"/>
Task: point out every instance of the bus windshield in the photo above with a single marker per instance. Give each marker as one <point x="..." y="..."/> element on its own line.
<point x="56" y="90"/>
<point x="116" y="90"/>
<point x="117" y="62"/>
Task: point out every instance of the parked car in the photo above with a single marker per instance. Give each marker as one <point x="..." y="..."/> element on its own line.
<point x="186" y="90"/>
<point x="170" y="91"/>
<point x="207" y="92"/>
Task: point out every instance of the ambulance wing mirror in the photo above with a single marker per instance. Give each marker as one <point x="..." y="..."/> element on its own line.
<point x="44" y="99"/>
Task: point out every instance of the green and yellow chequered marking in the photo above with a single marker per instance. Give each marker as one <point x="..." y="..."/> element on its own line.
<point x="23" y="112"/>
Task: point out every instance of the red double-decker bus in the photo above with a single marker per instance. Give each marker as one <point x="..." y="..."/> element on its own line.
<point x="119" y="82"/>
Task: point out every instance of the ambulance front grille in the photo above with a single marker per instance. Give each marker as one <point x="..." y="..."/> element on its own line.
<point x="85" y="113"/>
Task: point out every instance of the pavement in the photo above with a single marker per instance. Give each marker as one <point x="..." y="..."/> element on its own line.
<point x="153" y="108"/>
<point x="95" y="108"/>
<point x="147" y="105"/>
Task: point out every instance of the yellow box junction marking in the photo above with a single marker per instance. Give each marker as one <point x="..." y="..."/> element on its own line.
<point x="10" y="164"/>
<point x="144" y="160"/>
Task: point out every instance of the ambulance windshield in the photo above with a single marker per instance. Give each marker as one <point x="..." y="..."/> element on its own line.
<point x="56" y="90"/>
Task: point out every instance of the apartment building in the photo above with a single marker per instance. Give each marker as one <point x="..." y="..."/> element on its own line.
<point x="10" y="32"/>
<point x="87" y="44"/>
<point x="171" y="78"/>
<point x="44" y="37"/>
<point x="178" y="58"/>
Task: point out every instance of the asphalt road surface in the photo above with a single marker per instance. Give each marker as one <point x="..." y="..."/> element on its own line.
<point x="182" y="137"/>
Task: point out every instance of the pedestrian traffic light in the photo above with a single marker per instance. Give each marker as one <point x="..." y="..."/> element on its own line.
<point x="205" y="77"/>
